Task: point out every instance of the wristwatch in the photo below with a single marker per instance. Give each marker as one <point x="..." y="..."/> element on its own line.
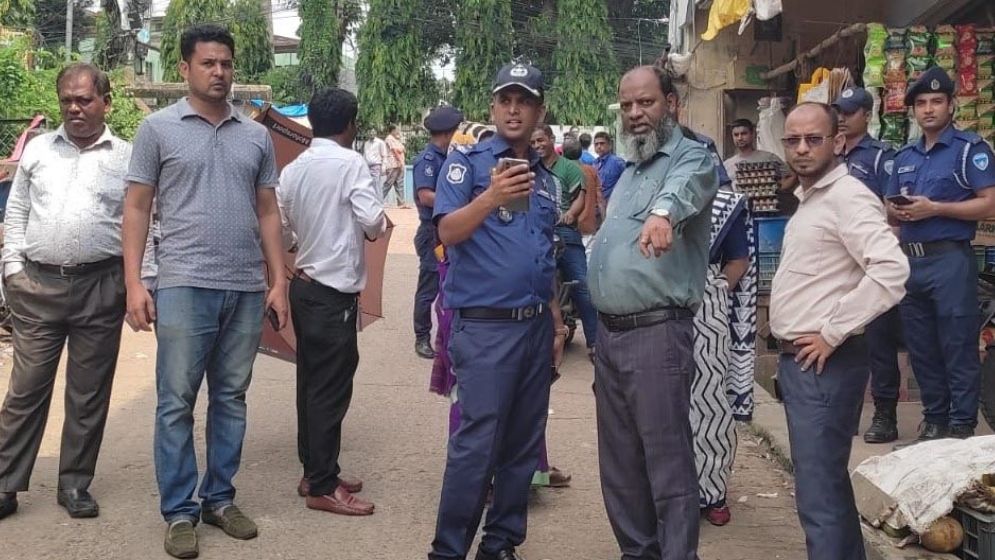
<point x="660" y="212"/>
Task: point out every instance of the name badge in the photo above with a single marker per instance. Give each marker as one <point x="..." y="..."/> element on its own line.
<point x="906" y="169"/>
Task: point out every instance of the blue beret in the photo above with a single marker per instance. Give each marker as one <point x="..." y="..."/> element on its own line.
<point x="934" y="80"/>
<point x="443" y="119"/>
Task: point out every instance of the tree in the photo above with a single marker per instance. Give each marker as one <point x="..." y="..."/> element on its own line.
<point x="483" y="44"/>
<point x="49" y="21"/>
<point x="253" y="47"/>
<point x="585" y="72"/>
<point x="395" y="82"/>
<point x="321" y="51"/>
<point x="180" y="15"/>
<point x="18" y="13"/>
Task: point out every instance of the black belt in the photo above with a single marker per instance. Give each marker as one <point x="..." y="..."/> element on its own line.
<point x="916" y="250"/>
<point x="789" y="348"/>
<point x="75" y="269"/>
<point x="502" y="314"/>
<point x="617" y="323"/>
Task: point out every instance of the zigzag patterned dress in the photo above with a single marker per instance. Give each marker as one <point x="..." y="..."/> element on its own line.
<point x="725" y="331"/>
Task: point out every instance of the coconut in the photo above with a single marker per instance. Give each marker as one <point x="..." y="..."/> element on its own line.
<point x="944" y="535"/>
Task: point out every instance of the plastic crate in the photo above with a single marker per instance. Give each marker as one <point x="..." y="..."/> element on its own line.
<point x="766" y="268"/>
<point x="979" y="534"/>
<point x="770" y="234"/>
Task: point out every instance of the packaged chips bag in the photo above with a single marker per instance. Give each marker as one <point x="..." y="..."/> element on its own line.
<point x="967" y="37"/>
<point x="874" y="58"/>
<point x="893" y="128"/>
<point x="893" y="100"/>
<point x="894" y="69"/>
<point x="917" y="41"/>
<point x="986" y="41"/>
<point x="967" y="108"/>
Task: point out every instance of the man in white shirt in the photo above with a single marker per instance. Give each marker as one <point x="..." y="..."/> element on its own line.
<point x="65" y="283"/>
<point x="840" y="268"/>
<point x="330" y="204"/>
<point x="376" y="154"/>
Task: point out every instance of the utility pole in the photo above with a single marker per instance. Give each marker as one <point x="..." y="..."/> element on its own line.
<point x="69" y="29"/>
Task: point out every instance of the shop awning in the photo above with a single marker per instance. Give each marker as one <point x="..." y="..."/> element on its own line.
<point x="902" y="13"/>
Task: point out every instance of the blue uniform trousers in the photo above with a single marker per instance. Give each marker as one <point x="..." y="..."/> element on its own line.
<point x="941" y="319"/>
<point x="428" y="279"/>
<point x="503" y="374"/>
<point x="823" y="413"/>
<point x="883" y="336"/>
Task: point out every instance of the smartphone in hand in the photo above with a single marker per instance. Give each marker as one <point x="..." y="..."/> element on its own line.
<point x="522" y="204"/>
<point x="274" y="321"/>
<point x="899" y="200"/>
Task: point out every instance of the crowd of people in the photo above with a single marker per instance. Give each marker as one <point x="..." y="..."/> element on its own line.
<point x="659" y="247"/>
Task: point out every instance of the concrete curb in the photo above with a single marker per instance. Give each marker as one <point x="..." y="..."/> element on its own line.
<point x="771" y="426"/>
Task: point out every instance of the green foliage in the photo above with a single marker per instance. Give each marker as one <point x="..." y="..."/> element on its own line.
<point x="320" y="50"/>
<point x="395" y="82"/>
<point x="253" y="48"/>
<point x="180" y="15"/>
<point x="30" y="92"/>
<point x="18" y="13"/>
<point x="483" y="44"/>
<point x="585" y="72"/>
<point x="286" y="84"/>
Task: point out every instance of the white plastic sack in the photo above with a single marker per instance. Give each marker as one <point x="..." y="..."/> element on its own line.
<point x="766" y="9"/>
<point x="925" y="479"/>
<point x="817" y="94"/>
<point x="770" y="126"/>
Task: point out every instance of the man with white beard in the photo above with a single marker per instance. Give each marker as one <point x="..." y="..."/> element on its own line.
<point x="646" y="303"/>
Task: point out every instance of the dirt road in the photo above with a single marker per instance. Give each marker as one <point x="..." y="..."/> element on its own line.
<point x="394" y="439"/>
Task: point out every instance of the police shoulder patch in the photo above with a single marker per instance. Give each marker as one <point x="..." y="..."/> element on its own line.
<point x="429" y="170"/>
<point x="889" y="166"/>
<point x="981" y="161"/>
<point x="456" y="173"/>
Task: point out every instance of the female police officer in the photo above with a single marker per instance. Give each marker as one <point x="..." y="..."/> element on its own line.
<point x="500" y="284"/>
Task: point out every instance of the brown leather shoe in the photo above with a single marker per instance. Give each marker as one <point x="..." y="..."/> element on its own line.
<point x="341" y="502"/>
<point x="351" y="484"/>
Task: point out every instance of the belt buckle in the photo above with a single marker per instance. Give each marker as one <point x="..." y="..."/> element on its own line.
<point x="917" y="249"/>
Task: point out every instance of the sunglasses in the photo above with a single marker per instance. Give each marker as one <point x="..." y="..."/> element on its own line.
<point x="812" y="141"/>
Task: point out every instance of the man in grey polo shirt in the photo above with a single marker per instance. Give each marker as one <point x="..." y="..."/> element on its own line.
<point x="213" y="174"/>
<point x="644" y="360"/>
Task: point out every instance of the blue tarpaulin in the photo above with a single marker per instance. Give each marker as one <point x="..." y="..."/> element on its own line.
<point x="286" y="110"/>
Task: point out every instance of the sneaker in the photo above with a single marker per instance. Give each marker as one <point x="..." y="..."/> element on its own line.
<point x="181" y="540"/>
<point x="718" y="515"/>
<point x="232" y="521"/>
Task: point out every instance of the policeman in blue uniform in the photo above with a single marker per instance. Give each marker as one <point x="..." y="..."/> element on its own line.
<point x="871" y="161"/>
<point x="945" y="181"/>
<point x="500" y="285"/>
<point x="724" y="181"/>
<point x="441" y="123"/>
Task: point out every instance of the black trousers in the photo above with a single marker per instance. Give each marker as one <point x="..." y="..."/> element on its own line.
<point x="327" y="357"/>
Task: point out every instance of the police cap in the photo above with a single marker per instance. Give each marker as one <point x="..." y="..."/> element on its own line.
<point x="525" y="76"/>
<point x="853" y="98"/>
<point x="934" y="80"/>
<point x="443" y="119"/>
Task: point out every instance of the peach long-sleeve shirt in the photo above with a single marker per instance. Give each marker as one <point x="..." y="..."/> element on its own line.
<point x="841" y="265"/>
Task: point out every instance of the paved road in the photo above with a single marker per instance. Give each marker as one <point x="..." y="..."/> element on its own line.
<point x="394" y="439"/>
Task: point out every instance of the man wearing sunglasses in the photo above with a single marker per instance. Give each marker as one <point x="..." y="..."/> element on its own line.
<point x="840" y="269"/>
<point x="871" y="161"/>
<point x="937" y="193"/>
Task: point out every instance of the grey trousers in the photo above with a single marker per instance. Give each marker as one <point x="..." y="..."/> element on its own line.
<point x="823" y="412"/>
<point x="48" y="311"/>
<point x="643" y="391"/>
